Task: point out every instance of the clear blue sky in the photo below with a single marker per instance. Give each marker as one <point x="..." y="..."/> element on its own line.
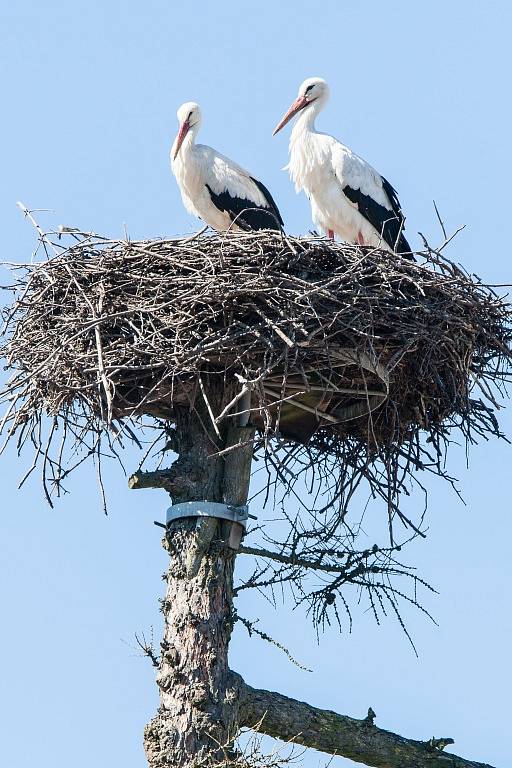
<point x="89" y="91"/>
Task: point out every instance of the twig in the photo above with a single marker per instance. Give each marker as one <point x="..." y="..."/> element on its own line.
<point x="249" y="625"/>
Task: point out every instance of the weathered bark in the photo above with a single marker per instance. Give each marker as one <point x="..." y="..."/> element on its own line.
<point x="198" y="704"/>
<point x="359" y="740"/>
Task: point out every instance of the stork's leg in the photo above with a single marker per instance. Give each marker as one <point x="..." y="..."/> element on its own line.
<point x="330" y="234"/>
<point x="360" y="238"/>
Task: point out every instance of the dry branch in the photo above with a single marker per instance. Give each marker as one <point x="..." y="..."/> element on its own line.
<point x="358" y="740"/>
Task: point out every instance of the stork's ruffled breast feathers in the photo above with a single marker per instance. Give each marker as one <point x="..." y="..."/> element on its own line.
<point x="310" y="160"/>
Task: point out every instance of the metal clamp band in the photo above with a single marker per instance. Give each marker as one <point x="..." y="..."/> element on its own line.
<point x="208" y="509"/>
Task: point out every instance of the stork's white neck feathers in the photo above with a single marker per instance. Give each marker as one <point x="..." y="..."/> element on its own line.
<point x="306" y="150"/>
<point x="306" y="119"/>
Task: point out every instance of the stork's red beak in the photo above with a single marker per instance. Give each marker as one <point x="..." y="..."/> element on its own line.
<point x="184" y="129"/>
<point x="297" y="105"/>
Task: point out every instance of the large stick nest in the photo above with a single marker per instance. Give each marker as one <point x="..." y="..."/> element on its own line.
<point x="338" y="345"/>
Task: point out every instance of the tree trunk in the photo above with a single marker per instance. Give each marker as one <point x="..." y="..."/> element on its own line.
<point x="202" y="703"/>
<point x="198" y="713"/>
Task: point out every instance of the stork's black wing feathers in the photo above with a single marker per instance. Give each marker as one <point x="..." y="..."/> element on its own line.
<point x="270" y="200"/>
<point x="389" y="224"/>
<point x="247" y="214"/>
<point x="392" y="196"/>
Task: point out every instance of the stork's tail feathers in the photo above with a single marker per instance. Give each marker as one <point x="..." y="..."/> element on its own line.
<point x="403" y="248"/>
<point x="401" y="245"/>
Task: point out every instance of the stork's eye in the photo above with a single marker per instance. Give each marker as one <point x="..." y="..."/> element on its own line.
<point x="189" y="115"/>
<point x="309" y="88"/>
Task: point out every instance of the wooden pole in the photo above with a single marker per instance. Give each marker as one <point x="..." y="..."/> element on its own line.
<point x="197" y="717"/>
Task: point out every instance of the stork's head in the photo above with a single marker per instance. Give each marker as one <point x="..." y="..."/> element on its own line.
<point x="189" y="116"/>
<point x="314" y="90"/>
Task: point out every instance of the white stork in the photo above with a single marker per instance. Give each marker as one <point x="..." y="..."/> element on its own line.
<point x="213" y="187"/>
<point x="348" y="197"/>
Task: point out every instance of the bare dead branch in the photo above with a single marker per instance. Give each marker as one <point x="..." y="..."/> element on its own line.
<point x="359" y="740"/>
